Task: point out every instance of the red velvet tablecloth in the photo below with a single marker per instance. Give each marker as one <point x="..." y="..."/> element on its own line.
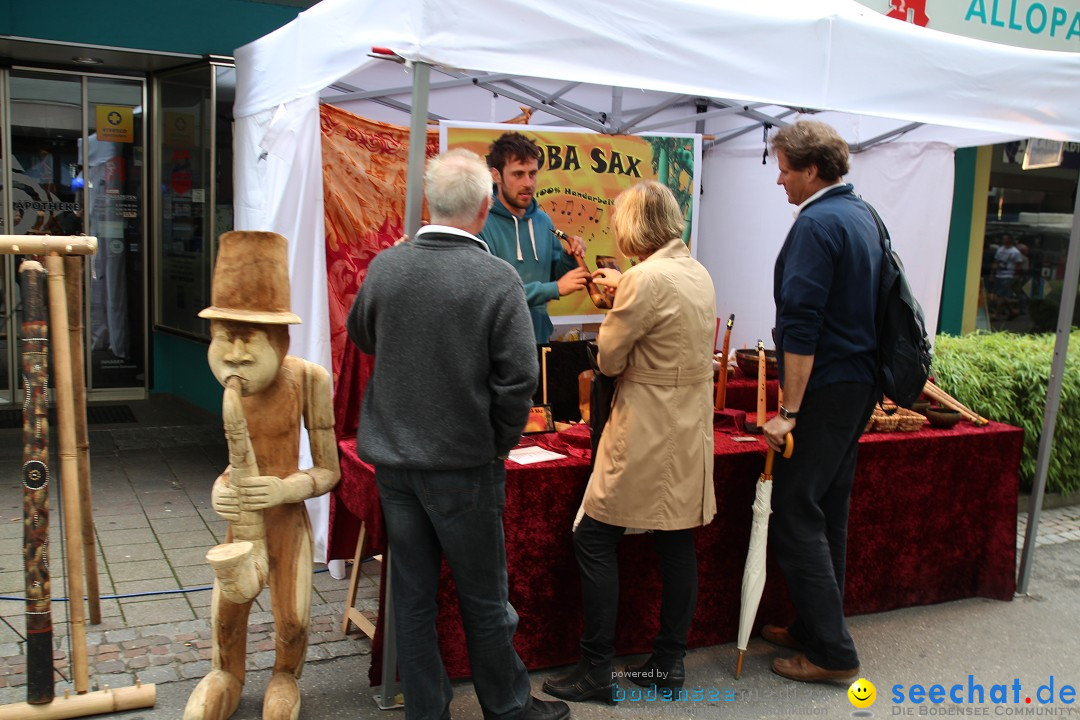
<point x="933" y="518"/>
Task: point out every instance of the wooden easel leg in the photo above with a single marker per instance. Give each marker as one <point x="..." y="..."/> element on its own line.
<point x="351" y="613"/>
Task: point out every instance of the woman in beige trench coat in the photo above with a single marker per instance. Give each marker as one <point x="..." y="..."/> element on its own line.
<point x="654" y="463"/>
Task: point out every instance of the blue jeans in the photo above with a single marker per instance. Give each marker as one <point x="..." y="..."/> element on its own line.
<point x="456" y="513"/>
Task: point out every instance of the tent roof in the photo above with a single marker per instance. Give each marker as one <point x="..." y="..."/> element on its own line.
<point x="819" y="54"/>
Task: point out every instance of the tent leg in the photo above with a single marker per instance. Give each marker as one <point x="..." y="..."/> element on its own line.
<point x="414" y="192"/>
<point x="1053" y="398"/>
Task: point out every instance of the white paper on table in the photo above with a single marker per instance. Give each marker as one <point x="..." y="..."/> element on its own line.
<point x="533" y="454"/>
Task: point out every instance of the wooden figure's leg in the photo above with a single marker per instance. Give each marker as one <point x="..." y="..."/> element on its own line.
<point x="290" y="547"/>
<point x="217" y="695"/>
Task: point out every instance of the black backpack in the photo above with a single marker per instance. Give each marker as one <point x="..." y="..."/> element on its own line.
<point x="903" y="348"/>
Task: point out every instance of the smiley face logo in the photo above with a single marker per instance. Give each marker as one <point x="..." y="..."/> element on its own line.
<point x="862" y="693"/>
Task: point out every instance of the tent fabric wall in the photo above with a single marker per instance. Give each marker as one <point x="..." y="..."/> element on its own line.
<point x="280" y="189"/>
<point x="745" y="217"/>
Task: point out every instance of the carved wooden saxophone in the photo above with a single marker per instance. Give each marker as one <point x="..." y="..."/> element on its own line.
<point x="241" y="566"/>
<point x="596" y="293"/>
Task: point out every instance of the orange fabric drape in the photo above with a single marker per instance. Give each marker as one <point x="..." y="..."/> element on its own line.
<point x="364" y="175"/>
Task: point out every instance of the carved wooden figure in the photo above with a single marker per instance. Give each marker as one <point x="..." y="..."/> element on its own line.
<point x="262" y="492"/>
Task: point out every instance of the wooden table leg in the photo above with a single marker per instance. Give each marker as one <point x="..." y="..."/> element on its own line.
<point x="351" y="614"/>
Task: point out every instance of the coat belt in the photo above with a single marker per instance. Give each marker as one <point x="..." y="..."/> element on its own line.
<point x="671" y="377"/>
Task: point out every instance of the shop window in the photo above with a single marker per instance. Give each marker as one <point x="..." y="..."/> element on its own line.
<point x="1029" y="218"/>
<point x="193" y="190"/>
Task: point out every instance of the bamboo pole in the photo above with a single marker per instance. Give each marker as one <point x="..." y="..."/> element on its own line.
<point x="95" y="703"/>
<point x="46" y="244"/>
<point x="69" y="469"/>
<point x="73" y="283"/>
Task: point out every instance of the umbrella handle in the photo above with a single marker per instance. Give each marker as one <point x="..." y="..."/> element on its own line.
<point x="770" y="454"/>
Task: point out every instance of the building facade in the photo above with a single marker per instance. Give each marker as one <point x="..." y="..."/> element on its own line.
<point x="117" y="122"/>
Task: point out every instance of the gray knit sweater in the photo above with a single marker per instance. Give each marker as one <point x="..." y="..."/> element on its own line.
<point x="455" y="359"/>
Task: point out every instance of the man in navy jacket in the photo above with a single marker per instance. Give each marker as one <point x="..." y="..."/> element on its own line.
<point x="825" y="286"/>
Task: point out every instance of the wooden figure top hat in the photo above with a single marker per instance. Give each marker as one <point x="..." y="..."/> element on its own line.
<point x="251" y="279"/>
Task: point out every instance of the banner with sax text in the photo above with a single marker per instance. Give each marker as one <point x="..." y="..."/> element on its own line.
<point x="581" y="174"/>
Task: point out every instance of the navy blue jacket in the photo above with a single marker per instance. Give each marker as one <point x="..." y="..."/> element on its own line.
<point x="825" y="285"/>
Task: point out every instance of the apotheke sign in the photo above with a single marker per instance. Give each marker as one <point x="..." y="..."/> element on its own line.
<point x="1039" y="24"/>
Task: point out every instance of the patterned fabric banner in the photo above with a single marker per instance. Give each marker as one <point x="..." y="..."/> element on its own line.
<point x="364" y="177"/>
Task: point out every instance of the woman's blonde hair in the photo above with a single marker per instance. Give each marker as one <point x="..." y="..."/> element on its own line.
<point x="646" y="217"/>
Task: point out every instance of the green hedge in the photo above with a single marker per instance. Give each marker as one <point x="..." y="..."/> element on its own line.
<point x="1003" y="376"/>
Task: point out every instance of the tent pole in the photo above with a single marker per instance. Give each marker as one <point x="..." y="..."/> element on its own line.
<point x="1053" y="398"/>
<point x="414" y="189"/>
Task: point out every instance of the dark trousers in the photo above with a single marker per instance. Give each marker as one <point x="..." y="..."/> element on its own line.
<point x="596" y="547"/>
<point x="457" y="514"/>
<point x="808" y="531"/>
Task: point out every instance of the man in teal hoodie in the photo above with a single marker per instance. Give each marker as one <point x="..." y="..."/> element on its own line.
<point x="520" y="233"/>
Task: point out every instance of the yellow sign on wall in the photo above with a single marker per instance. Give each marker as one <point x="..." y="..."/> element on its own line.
<point x="115" y="123"/>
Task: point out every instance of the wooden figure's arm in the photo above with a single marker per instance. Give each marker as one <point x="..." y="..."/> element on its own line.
<point x="319" y="419"/>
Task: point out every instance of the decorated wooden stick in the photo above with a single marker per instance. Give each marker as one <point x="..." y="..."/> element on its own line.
<point x="721" y="383"/>
<point x="35" y="368"/>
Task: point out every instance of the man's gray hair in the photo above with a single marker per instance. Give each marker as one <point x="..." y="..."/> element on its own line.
<point x="456" y="183"/>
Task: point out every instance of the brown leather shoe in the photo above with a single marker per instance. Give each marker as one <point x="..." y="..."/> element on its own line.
<point x="801" y="669"/>
<point x="780" y="636"/>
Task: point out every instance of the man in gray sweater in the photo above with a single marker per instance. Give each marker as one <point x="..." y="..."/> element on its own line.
<point x="455" y="370"/>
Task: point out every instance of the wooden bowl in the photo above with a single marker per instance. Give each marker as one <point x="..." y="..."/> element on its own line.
<point x="747" y="360"/>
<point x="940" y="417"/>
<point x="921" y="406"/>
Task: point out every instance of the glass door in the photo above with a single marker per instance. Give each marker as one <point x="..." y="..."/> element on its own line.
<point x="113" y="169"/>
<point x="74" y="165"/>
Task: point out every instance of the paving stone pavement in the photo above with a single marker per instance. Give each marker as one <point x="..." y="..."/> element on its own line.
<point x="151" y="485"/>
<point x="1058" y="525"/>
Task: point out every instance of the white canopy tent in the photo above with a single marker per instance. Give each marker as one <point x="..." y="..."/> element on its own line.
<point x="721" y="67"/>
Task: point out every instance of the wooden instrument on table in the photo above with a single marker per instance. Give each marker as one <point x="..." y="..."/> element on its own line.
<point x="241" y="566"/>
<point x="596" y="293"/>
<point x="761" y="410"/>
<point x="941" y="397"/>
<point x="721" y="384"/>
<point x="761" y="380"/>
<point x="35" y="368"/>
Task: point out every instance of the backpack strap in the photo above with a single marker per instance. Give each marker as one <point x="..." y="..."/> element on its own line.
<point x="883" y="232"/>
<point x="886" y="253"/>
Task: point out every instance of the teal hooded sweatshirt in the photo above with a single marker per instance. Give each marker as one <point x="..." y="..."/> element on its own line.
<point x="528" y="244"/>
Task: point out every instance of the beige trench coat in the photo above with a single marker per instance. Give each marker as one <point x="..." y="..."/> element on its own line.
<point x="654" y="465"/>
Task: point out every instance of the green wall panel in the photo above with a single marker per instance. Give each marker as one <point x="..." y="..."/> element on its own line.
<point x="198" y="27"/>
